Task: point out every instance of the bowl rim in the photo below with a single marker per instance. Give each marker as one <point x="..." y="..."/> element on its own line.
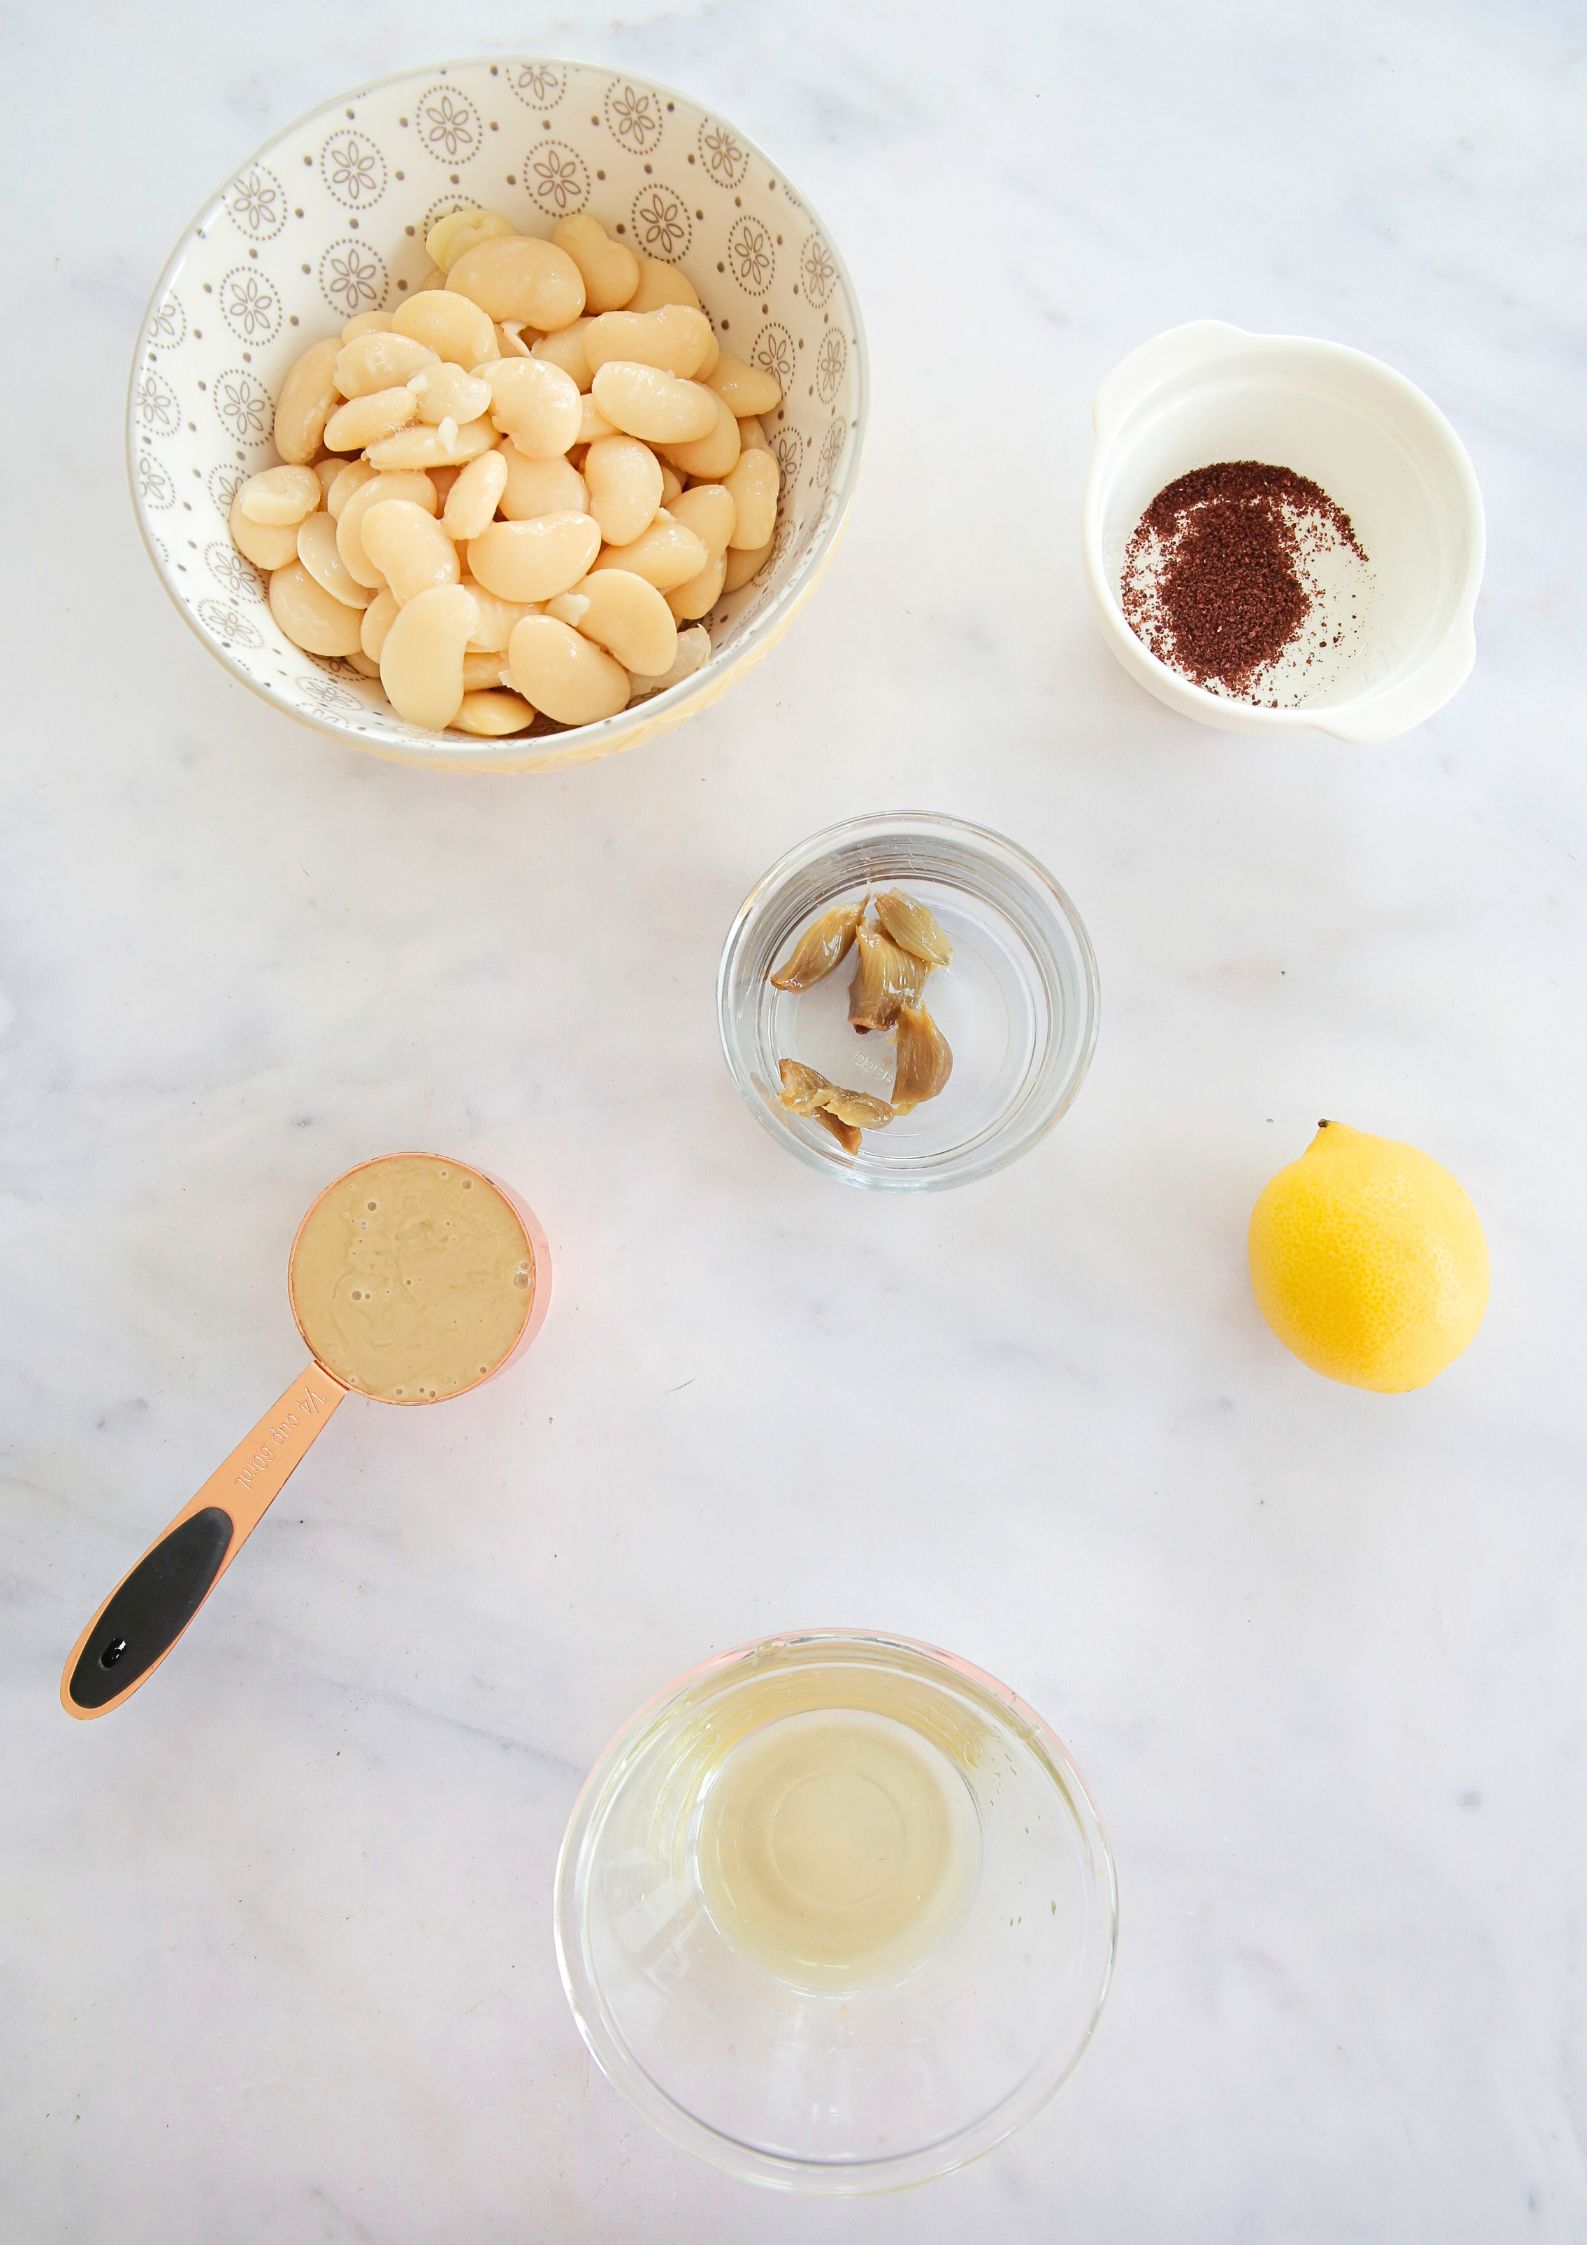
<point x="729" y="2154"/>
<point x="1429" y="683"/>
<point x="463" y="752"/>
<point x="942" y="825"/>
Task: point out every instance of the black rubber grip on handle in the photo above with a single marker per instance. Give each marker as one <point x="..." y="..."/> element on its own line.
<point x="153" y="1607"/>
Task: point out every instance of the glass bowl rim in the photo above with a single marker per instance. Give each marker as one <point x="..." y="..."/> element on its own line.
<point x="978" y="842"/>
<point x="729" y="2154"/>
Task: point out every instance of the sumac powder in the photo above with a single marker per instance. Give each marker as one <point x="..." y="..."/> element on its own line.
<point x="1233" y="568"/>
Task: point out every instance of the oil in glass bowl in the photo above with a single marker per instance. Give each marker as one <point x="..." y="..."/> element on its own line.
<point x="836" y="1912"/>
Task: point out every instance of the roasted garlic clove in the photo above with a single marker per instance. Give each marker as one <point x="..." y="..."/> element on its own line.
<point x="913" y="927"/>
<point x="808" y="1092"/>
<point x="925" y="1059"/>
<point x="802" y="1087"/>
<point x="845" y="1133"/>
<point x="857" y="1107"/>
<point x="885" y="978"/>
<point x="823" y="946"/>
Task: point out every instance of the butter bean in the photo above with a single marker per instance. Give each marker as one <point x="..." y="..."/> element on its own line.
<point x="744" y="562"/>
<point x="510" y="342"/>
<point x="409" y="548"/>
<point x="566" y="349"/>
<point x="671" y="484"/>
<point x="363" y="421"/>
<point x="661" y="284"/>
<point x="349" y="527"/>
<point x="537" y="559"/>
<point x="443" y="480"/>
<point x="624" y="614"/>
<point x="754" y="484"/>
<point x="712" y="359"/>
<point x="421" y="663"/>
<point x="625" y="483"/>
<point x="534" y="403"/>
<point x="367" y="323"/>
<point x="710" y="457"/>
<point x="268" y="545"/>
<point x="559" y="671"/>
<point x="382" y="361"/>
<point x="540" y="487"/>
<point x="519" y="277"/>
<point x="694" y="652"/>
<point x="447" y="392"/>
<point x="430" y="281"/>
<point x="310" y="616"/>
<point x="326" y="469"/>
<point x="453" y="327"/>
<point x="593" y="424"/>
<point x="701" y="594"/>
<point x="306" y="402"/>
<point x="677" y="339"/>
<point x="493" y="714"/>
<point x="472" y="501"/>
<point x="609" y="269"/>
<point x="445" y="447"/>
<point x="278" y="496"/>
<point x="379" y="617"/>
<point x="645" y="402"/>
<point x="744" y="389"/>
<point x="459" y="230"/>
<point x="350" y="476"/>
<point x="708" y="511"/>
<point x="361" y="663"/>
<point x="665" y="555"/>
<point x="318" y="553"/>
<point x="496" y="619"/>
<point x="483" y="671"/>
<point x="751" y="436"/>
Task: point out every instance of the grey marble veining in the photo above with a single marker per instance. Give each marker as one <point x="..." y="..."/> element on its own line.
<point x="274" y="1950"/>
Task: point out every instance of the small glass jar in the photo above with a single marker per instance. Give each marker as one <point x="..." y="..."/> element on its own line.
<point x="1018" y="1004"/>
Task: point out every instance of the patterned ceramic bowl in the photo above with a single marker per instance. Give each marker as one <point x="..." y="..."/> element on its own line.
<point x="329" y="219"/>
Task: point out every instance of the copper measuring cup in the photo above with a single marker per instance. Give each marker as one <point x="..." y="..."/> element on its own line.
<point x="151" y="1606"/>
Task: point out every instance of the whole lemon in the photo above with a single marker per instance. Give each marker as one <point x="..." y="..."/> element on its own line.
<point x="1368" y="1261"/>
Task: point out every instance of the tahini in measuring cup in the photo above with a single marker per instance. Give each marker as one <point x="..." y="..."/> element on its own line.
<point x="412" y="1278"/>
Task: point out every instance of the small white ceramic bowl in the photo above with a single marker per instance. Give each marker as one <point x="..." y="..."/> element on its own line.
<point x="329" y="219"/>
<point x="1378" y="447"/>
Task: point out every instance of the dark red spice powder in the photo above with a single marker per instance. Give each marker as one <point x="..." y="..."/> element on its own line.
<point x="1216" y="581"/>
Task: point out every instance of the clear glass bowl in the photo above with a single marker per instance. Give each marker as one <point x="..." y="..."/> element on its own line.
<point x="872" y="2084"/>
<point x="1018" y="1005"/>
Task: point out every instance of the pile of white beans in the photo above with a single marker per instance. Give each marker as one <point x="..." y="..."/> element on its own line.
<point x="506" y="497"/>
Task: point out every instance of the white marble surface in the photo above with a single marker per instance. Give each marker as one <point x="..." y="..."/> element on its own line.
<point x="274" y="1951"/>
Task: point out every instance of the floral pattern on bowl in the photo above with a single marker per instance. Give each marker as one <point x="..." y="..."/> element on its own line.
<point x="329" y="219"/>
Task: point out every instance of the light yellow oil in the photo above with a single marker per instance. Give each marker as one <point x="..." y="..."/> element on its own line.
<point x="837" y="1847"/>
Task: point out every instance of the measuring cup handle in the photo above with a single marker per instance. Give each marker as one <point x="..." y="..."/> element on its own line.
<point x="148" y="1610"/>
